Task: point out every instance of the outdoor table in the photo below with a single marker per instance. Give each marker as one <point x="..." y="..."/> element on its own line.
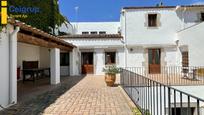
<point x="34" y="71"/>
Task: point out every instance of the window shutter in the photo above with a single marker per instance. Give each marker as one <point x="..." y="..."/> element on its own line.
<point x="185" y="59"/>
<point x="152" y="20"/>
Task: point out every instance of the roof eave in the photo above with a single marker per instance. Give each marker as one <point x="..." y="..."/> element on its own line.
<point x="162" y="7"/>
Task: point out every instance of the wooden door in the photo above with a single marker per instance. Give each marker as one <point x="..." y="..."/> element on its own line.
<point x="154" y="56"/>
<point x="87" y="63"/>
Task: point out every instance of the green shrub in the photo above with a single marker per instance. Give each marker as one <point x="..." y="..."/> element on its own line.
<point x="112" y="69"/>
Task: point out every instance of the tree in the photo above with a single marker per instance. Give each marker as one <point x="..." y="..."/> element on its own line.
<point x="46" y="19"/>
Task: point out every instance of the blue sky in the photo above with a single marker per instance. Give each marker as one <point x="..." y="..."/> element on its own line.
<point x="108" y="10"/>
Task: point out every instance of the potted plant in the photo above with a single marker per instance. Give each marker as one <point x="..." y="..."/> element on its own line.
<point x="110" y="74"/>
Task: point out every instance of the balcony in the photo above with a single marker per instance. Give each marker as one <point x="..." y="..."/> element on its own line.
<point x="173" y="76"/>
<point x="153" y="94"/>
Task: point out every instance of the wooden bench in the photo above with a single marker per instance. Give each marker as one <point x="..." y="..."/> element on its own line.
<point x="31" y="68"/>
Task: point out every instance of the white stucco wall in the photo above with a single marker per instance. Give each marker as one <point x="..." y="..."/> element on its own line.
<point x="137" y="32"/>
<point x="26" y="52"/>
<point x="193" y="38"/>
<point x="44" y="57"/>
<point x="135" y="58"/>
<point x="171" y="57"/>
<point x="135" y="29"/>
<point x="138" y="57"/>
<point x="138" y="36"/>
<point x="120" y="57"/>
<point x="98" y="47"/>
<point x="109" y="27"/>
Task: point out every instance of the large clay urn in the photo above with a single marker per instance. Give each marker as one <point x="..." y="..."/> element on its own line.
<point x="110" y="79"/>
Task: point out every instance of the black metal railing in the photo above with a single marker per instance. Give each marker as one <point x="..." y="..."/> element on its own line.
<point x="155" y="98"/>
<point x="173" y="75"/>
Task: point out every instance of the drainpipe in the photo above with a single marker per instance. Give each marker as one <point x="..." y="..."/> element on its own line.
<point x="12" y="64"/>
<point x="125" y="40"/>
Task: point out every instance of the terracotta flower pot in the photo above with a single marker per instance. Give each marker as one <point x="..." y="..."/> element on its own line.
<point x="110" y="79"/>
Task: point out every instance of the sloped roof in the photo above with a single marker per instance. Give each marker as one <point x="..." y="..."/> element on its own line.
<point x="38" y="32"/>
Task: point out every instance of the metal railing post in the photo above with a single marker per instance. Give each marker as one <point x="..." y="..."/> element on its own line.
<point x="198" y="107"/>
<point x="169" y="101"/>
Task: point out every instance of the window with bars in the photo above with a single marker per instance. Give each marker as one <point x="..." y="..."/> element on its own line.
<point x="102" y="32"/>
<point x="85" y="32"/>
<point x="94" y="32"/>
<point x="152" y="20"/>
<point x="64" y="59"/>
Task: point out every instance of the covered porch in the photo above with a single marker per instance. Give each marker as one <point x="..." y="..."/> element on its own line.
<point x="36" y="57"/>
<point x="37" y="50"/>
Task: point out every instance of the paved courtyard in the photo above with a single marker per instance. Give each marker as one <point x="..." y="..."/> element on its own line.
<point x="90" y="96"/>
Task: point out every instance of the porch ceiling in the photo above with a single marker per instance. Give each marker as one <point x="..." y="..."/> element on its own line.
<point x="29" y="39"/>
<point x="34" y="36"/>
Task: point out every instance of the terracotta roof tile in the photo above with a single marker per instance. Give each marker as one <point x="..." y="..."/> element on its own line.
<point x="36" y="31"/>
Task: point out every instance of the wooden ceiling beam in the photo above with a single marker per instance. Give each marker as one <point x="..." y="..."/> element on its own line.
<point x="29" y="39"/>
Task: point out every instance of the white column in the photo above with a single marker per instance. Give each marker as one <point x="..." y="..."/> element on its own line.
<point x="55" y="66"/>
<point x="12" y="66"/>
<point x="71" y="64"/>
<point x="100" y="61"/>
<point x="74" y="62"/>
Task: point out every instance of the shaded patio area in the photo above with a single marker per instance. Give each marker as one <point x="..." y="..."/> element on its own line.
<point x="75" y="95"/>
<point x="29" y="89"/>
<point x="33" y="98"/>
